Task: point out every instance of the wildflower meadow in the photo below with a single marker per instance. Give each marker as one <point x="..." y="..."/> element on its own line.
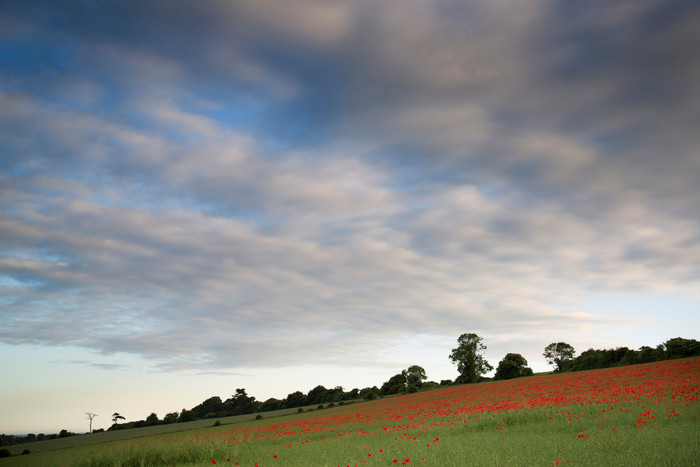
<point x="634" y="415"/>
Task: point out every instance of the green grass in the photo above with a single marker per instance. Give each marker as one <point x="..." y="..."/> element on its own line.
<point x="127" y="434"/>
<point x="589" y="418"/>
<point x="528" y="438"/>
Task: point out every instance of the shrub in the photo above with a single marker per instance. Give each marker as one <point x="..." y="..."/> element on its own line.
<point x="5" y="453"/>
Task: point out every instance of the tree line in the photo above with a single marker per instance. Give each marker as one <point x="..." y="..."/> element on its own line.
<point x="471" y="366"/>
<point x="562" y="355"/>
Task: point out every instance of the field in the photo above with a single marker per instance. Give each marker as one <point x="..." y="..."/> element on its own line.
<point x="634" y="415"/>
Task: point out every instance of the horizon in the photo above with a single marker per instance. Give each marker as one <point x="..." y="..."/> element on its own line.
<point x="258" y="194"/>
<point x="489" y="379"/>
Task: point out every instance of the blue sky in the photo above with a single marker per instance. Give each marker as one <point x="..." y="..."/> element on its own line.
<point x="201" y="196"/>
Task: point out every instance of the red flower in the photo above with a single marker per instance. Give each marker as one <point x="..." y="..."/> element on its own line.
<point x="213" y="461"/>
<point x="274" y="456"/>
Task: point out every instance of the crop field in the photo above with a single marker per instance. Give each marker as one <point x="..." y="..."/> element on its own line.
<point x="634" y="415"/>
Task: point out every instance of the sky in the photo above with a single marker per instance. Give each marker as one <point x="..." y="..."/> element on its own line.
<point x="202" y="196"/>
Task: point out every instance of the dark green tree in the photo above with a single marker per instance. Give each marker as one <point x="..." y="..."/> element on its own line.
<point x="116" y="417"/>
<point x="209" y="408"/>
<point x="296" y="399"/>
<point x="369" y="394"/>
<point x="316" y="395"/>
<point x="336" y="394"/>
<point x="648" y="354"/>
<point x="271" y="404"/>
<point x="152" y="419"/>
<point x="185" y="416"/>
<point x="240" y="403"/>
<point x="170" y="418"/>
<point x="558" y="354"/>
<point x="512" y="366"/>
<point x="395" y="385"/>
<point x="415" y="375"/>
<point x="679" y="347"/>
<point x="467" y="355"/>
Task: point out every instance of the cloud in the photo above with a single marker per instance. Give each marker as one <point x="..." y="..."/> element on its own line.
<point x="221" y="188"/>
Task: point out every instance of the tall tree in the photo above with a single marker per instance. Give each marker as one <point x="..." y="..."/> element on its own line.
<point x="470" y="363"/>
<point x="558" y="354"/>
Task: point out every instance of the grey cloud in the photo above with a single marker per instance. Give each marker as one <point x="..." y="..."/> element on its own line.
<point x="99" y="365"/>
<point x="462" y="171"/>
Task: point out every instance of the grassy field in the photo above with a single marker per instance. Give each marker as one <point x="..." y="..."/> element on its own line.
<point x="635" y="415"/>
<point x="120" y="435"/>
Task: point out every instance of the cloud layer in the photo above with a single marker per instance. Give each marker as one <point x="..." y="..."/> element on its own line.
<point x="229" y="184"/>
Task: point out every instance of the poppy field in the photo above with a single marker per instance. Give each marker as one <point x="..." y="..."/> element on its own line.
<point x="634" y="415"/>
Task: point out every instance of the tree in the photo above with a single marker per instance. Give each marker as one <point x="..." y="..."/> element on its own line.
<point x="470" y="363"/>
<point x="415" y="375"/>
<point x="369" y="394"/>
<point x="240" y="403"/>
<point x="295" y="399"/>
<point x="316" y="395"/>
<point x="395" y="385"/>
<point x="170" y="418"/>
<point x="185" y="416"/>
<point x="90" y="416"/>
<point x="558" y="354"/>
<point x="679" y="347"/>
<point x="116" y="417"/>
<point x="648" y="354"/>
<point x="512" y="366"/>
<point x="271" y="404"/>
<point x="152" y="419"/>
<point x="210" y="408"/>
